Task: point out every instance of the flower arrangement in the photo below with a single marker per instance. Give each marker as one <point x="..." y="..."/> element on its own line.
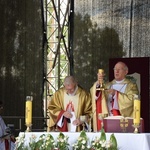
<point x="20" y="143"/>
<point x="100" y="143"/>
<point x="47" y="142"/>
<point x="82" y="142"/>
<point x="44" y="142"/>
<point x="62" y="142"/>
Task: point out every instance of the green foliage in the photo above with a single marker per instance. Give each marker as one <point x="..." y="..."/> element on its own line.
<point x="82" y="142"/>
<point x="113" y="141"/>
<point x="62" y="142"/>
<point x="100" y="143"/>
<point x="103" y="135"/>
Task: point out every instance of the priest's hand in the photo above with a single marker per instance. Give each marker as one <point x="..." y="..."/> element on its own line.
<point x="111" y="92"/>
<point x="77" y="122"/>
<point x="67" y="114"/>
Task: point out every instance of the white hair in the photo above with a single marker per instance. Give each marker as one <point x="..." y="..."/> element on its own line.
<point x="69" y="80"/>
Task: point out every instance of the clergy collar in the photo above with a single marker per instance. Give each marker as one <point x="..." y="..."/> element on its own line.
<point x="120" y="81"/>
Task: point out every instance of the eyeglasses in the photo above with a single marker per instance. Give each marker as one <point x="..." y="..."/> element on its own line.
<point x="119" y="69"/>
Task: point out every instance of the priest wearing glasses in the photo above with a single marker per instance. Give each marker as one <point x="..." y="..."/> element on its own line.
<point x="121" y="92"/>
<point x="115" y="98"/>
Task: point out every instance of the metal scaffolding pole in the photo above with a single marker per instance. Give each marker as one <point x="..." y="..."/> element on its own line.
<point x="59" y="46"/>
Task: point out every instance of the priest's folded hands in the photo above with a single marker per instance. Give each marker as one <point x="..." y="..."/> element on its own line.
<point x="67" y="114"/>
<point x="111" y="91"/>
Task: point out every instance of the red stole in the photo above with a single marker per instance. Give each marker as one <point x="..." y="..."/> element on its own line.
<point x="115" y="112"/>
<point x="64" y="127"/>
<point x="8" y="144"/>
<point x="98" y="108"/>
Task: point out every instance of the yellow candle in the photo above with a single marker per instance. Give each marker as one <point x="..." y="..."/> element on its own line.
<point x="137" y="112"/>
<point x="28" y="111"/>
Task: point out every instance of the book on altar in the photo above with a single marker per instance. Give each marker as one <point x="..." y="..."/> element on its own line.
<point x="121" y="124"/>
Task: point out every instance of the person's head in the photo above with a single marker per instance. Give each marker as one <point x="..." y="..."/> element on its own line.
<point x="120" y="71"/>
<point x="70" y="84"/>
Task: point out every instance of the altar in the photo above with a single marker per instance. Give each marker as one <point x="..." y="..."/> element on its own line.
<point x="126" y="141"/>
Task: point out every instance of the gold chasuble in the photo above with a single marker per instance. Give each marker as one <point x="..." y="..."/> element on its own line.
<point x="80" y="101"/>
<point x="103" y="106"/>
<point x="124" y="96"/>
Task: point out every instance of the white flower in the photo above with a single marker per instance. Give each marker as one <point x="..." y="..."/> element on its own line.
<point x="83" y="142"/>
<point x="83" y="147"/>
<point x="103" y="143"/>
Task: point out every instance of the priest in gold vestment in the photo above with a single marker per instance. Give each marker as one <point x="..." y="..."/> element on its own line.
<point x="67" y="105"/>
<point x="118" y="95"/>
<point x="99" y="101"/>
<point x="121" y="92"/>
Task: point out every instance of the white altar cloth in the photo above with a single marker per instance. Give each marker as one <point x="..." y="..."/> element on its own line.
<point x="126" y="141"/>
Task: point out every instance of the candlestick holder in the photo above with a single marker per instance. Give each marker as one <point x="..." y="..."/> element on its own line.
<point x="136" y="128"/>
<point x="29" y="128"/>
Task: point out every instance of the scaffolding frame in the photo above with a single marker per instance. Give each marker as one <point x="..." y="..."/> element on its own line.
<point x="58" y="49"/>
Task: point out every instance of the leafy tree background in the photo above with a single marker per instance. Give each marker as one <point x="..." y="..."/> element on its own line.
<point x="93" y="47"/>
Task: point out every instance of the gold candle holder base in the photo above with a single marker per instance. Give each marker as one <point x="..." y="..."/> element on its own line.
<point x="29" y="127"/>
<point x="100" y="89"/>
<point x="136" y="128"/>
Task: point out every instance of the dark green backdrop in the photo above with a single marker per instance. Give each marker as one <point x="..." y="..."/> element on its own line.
<point x="21" y="58"/>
